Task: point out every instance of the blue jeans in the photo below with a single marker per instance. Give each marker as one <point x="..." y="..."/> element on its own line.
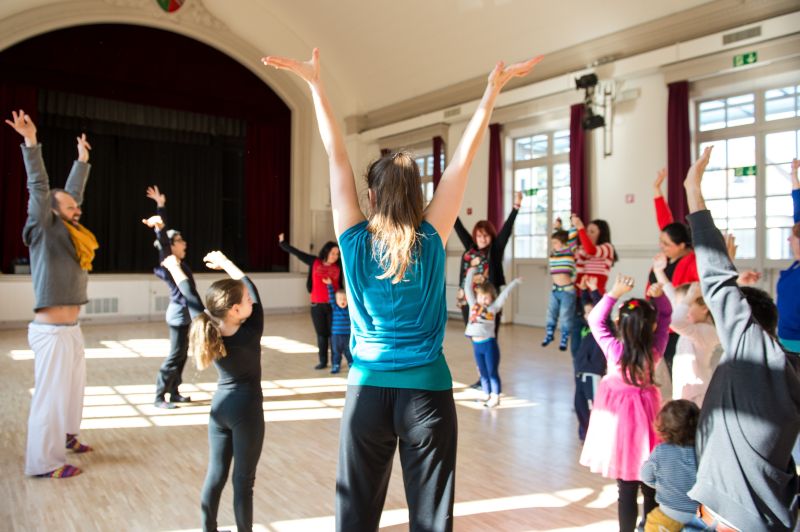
<point x="487" y="356"/>
<point x="561" y="307"/>
<point x="340" y="344"/>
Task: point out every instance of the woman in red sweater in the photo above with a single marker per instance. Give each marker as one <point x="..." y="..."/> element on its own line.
<point x="325" y="266"/>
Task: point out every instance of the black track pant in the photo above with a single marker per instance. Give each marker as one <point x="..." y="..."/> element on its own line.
<point x="322" y="316"/>
<point x="235" y="431"/>
<point x="169" y="376"/>
<point x="628" y="508"/>
<point x="374" y="420"/>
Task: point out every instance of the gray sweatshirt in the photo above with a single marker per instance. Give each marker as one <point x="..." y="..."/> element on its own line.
<point x="751" y="412"/>
<point x="483" y="324"/>
<point x="57" y="275"/>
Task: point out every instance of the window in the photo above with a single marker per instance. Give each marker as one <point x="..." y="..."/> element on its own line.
<point x="541" y="173"/>
<point x="747" y="185"/>
<point x="425" y="163"/>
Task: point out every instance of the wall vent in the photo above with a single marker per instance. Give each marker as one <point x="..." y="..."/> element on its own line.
<point x="455" y="111"/>
<point x="737" y="36"/>
<point x="103" y="305"/>
<point x="162" y="302"/>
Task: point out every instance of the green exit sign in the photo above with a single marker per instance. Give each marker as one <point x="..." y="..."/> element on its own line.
<point x="744" y="171"/>
<point x="745" y="59"/>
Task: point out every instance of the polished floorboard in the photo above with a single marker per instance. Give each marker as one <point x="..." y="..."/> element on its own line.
<point x="517" y="464"/>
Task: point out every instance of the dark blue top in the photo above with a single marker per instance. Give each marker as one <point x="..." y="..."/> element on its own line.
<point x="788" y="291"/>
<point x="178" y="313"/>
<point x="589" y="358"/>
<point x="341" y="316"/>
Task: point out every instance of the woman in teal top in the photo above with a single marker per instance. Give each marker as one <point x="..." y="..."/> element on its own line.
<point x="399" y="387"/>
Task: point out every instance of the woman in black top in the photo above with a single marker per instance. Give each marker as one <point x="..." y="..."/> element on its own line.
<point x="227" y="332"/>
<point x="485" y="248"/>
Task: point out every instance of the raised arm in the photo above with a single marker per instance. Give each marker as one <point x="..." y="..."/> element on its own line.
<point x="193" y="301"/>
<point x="463" y="235"/>
<point x="663" y="318"/>
<point x="306" y="258"/>
<point x="663" y="212"/>
<point x="505" y="233"/>
<point x="469" y="292"/>
<point x="38" y="181"/>
<point x="498" y="303"/>
<point x="446" y="202"/>
<point x="79" y="175"/>
<point x="344" y="198"/>
<point x="159" y="222"/>
<point x="796" y="190"/>
<point x="598" y="319"/>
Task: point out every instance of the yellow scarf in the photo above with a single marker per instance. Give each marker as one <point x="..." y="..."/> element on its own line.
<point x="85" y="243"/>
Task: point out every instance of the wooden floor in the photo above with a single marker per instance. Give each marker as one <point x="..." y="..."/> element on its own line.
<point x="517" y="465"/>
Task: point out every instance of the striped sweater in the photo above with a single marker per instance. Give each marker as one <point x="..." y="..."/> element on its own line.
<point x="592" y="259"/>
<point x="562" y="261"/>
<point x="341" y="316"/>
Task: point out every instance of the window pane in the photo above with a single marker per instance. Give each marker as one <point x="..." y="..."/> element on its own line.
<point x="719" y="156"/>
<point x="561" y="175"/>
<point x="746" y="240"/>
<point x="561" y="141"/>
<point x="429" y="165"/>
<point x="778" y="180"/>
<point x="781" y="147"/>
<point x="742" y="207"/>
<point x="421" y="165"/>
<point x="780" y="221"/>
<point x="741" y="223"/>
<point x="522" y="149"/>
<point x="778" y="246"/>
<point x="779" y="206"/>
<point x="718" y="208"/>
<point x="741" y="186"/>
<point x="561" y="199"/>
<point x="782" y="108"/>
<point x="742" y="98"/>
<point x="714" y="184"/>
<point x="712" y="104"/>
<point x="539" y="146"/>
<point x="741" y="114"/>
<point x="540" y="224"/>
<point x="779" y="93"/>
<point x="721" y="223"/>
<point x="741" y="152"/>
<point x="539" y="201"/>
<point x="522" y="247"/>
<point x="522" y="226"/>
<point x="539" y="247"/>
<point x="712" y="118"/>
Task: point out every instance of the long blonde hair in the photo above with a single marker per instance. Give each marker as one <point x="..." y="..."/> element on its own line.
<point x="397" y="213"/>
<point x="205" y="337"/>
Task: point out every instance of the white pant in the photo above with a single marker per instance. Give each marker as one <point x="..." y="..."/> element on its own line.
<point x="57" y="403"/>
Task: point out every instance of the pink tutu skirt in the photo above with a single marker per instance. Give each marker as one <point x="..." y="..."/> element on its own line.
<point x="621" y="434"/>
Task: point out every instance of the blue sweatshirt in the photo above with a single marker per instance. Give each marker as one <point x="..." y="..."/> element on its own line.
<point x="788" y="301"/>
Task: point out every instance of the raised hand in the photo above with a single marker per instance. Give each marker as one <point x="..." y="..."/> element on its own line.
<point x="502" y="74"/>
<point x="154" y="194"/>
<point x="591" y="282"/>
<point x="660" y="262"/>
<point x="557" y="224"/>
<point x="517" y="199"/>
<point x="307" y="70"/>
<point x="695" y="174"/>
<point x="622" y="285"/>
<point x="171" y="262"/>
<point x="748" y="278"/>
<point x="83" y="148"/>
<point x="154" y="222"/>
<point x="795" y="180"/>
<point x="216" y="260"/>
<point x="730" y="245"/>
<point x="23" y="125"/>
<point x="576" y="221"/>
<point x="662" y="175"/>
<point x="281" y="237"/>
<point x="655" y="290"/>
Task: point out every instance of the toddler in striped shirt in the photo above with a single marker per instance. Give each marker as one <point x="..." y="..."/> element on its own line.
<point x="340" y="327"/>
<point x="561" y="306"/>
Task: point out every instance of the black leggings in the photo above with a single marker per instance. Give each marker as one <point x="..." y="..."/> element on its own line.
<point x="169" y="376"/>
<point x="235" y="431"/>
<point x="374" y="420"/>
<point x="628" y="508"/>
<point x="322" y="316"/>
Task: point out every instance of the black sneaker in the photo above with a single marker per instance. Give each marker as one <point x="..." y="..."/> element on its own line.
<point x="178" y="398"/>
<point x="320" y="366"/>
<point x="476" y="385"/>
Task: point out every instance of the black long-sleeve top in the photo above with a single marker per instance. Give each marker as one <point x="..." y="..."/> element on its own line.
<point x="241" y="367"/>
<point x="589" y="358"/>
<point x="177" y="312"/>
<point x="494" y="253"/>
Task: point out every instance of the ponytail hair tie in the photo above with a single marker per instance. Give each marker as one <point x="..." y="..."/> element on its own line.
<point x="211" y="317"/>
<point x="633" y="304"/>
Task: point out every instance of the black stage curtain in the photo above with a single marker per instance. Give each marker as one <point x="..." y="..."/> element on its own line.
<point x="194" y="170"/>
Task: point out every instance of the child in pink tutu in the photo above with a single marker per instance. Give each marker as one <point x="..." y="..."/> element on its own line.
<point x="621" y="434"/>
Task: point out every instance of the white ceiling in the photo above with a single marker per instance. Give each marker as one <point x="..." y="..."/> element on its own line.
<point x="383" y="51"/>
<point x="379" y="52"/>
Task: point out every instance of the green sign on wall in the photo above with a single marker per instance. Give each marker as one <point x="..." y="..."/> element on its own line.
<point x="747" y="58"/>
<point x="744" y="171"/>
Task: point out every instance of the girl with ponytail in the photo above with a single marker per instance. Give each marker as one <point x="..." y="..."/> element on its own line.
<point x="621" y="435"/>
<point x="399" y="386"/>
<point x="226" y="332"/>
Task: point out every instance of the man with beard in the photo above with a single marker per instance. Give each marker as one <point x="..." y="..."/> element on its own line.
<point x="61" y="253"/>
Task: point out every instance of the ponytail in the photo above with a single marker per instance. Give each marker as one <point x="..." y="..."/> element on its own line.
<point x="205" y="336"/>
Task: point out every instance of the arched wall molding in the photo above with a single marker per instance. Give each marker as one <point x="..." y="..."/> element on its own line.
<point x="193" y="20"/>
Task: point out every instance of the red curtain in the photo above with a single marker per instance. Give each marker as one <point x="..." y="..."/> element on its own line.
<point x="266" y="168"/>
<point x="496" y="215"/>
<point x="438" y="151"/>
<point x="13" y="188"/>
<point x="679" y="156"/>
<point x="579" y="178"/>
